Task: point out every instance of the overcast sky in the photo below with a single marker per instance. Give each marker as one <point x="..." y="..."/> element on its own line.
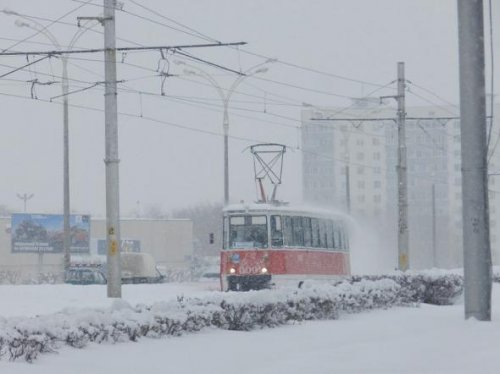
<point x="172" y="157"/>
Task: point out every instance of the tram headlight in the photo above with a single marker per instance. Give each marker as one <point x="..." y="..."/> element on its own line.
<point x="232" y="270"/>
<point x="263" y="270"/>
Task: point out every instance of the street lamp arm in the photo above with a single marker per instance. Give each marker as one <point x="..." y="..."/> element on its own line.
<point x="246" y="74"/>
<point x="84" y="28"/>
<point x="38" y="27"/>
<point x="225" y="96"/>
<point x="211" y="80"/>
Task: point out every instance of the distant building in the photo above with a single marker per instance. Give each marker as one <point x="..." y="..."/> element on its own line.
<point x="367" y="150"/>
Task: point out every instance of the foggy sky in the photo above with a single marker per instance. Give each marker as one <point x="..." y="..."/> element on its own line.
<point x="170" y="167"/>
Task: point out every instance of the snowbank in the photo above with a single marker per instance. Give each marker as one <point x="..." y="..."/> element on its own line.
<point x="26" y="338"/>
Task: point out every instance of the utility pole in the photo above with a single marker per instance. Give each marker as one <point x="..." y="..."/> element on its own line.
<point x="347" y="189"/>
<point x="111" y="161"/>
<point x="434" y="254"/>
<point x="477" y="251"/>
<point x="66" y="199"/>
<point x="403" y="234"/>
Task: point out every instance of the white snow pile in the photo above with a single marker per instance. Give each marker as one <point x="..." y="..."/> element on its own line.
<point x="25" y="338"/>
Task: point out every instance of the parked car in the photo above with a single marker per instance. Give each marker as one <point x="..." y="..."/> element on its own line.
<point x="84" y="275"/>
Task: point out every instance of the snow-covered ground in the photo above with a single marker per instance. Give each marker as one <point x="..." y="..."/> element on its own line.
<point x="428" y="339"/>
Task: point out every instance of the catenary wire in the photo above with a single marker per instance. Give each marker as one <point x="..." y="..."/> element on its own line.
<point x="46" y="27"/>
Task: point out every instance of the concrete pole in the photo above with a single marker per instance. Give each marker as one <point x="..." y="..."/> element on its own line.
<point x="434" y="254"/>
<point x="347" y="189"/>
<point x="226" y="151"/>
<point x="66" y="199"/>
<point x="111" y="161"/>
<point x="403" y="234"/>
<point x="477" y="252"/>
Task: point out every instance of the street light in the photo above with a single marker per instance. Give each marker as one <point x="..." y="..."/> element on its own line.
<point x="33" y="24"/>
<point x="225" y="97"/>
<point x="25" y="197"/>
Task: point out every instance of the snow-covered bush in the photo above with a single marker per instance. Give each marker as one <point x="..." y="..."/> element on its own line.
<point x="431" y="287"/>
<point x="25" y="338"/>
<point x="18" y="277"/>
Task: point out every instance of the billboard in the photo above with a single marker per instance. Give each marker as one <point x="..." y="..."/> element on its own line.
<point x="127" y="245"/>
<point x="44" y="233"/>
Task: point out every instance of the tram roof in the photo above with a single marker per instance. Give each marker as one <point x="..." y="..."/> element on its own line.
<point x="281" y="208"/>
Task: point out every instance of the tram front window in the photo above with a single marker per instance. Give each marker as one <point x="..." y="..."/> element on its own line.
<point x="248" y="232"/>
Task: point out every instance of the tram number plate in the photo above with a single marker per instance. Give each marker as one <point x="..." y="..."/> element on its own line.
<point x="250" y="268"/>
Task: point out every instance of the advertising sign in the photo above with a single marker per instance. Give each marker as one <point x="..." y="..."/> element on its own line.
<point x="44" y="233"/>
<point x="127" y="245"/>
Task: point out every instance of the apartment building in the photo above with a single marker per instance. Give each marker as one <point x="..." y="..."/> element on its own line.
<point x="361" y="142"/>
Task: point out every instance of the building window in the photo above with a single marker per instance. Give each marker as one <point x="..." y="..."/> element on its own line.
<point x="377" y="184"/>
<point x="361" y="170"/>
<point x="376" y="156"/>
<point x="377" y="198"/>
<point x="360" y="156"/>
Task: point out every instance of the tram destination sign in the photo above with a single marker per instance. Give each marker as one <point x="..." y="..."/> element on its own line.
<point x="44" y="233"/>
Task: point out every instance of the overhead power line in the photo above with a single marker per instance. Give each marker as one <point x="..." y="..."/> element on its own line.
<point x="203" y="36"/>
<point x="191" y="31"/>
<point x="24" y="66"/>
<point x="176" y="48"/>
<point x="59" y="22"/>
<point x="138" y="48"/>
<point x="46" y="27"/>
<point x="184" y="127"/>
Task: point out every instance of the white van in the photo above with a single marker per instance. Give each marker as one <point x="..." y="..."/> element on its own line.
<point x="139" y="268"/>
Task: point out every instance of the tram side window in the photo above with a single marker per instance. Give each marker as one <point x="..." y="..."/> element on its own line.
<point x="248" y="232"/>
<point x="345" y="239"/>
<point x="298" y="233"/>
<point x="315" y="232"/>
<point x="276" y="232"/>
<point x="322" y="234"/>
<point x="329" y="234"/>
<point x="337" y="238"/>
<point x="287" y="231"/>
<point x="306" y="225"/>
<point x="224" y="233"/>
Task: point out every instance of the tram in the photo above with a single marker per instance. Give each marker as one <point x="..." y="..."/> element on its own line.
<point x="267" y="244"/>
<point x="270" y="242"/>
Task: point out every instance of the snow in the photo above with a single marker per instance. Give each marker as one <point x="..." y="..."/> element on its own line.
<point x="34" y="300"/>
<point x="427" y="339"/>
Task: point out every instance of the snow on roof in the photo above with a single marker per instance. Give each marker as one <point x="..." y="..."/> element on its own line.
<point x="283" y="207"/>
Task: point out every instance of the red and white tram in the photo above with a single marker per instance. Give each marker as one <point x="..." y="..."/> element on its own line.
<point x="270" y="243"/>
